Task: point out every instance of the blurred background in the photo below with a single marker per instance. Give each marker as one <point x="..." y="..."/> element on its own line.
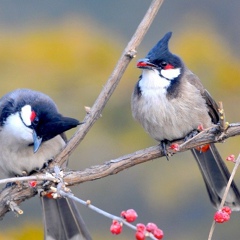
<point x="68" y="49"/>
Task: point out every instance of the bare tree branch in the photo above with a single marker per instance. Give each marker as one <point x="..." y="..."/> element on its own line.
<point x="127" y="55"/>
<point x="210" y="135"/>
<point x="21" y="192"/>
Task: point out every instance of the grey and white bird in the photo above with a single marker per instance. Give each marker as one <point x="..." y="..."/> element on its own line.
<point x="170" y="102"/>
<point x="31" y="134"/>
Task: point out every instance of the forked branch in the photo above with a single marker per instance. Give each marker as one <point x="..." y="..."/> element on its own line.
<point x="22" y="191"/>
<point x="127" y="55"/>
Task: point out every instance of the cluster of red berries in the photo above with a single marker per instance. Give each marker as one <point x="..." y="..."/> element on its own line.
<point x="223" y="215"/>
<point x="142" y="231"/>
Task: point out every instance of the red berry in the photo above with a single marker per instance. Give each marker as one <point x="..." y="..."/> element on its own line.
<point x="200" y="127"/>
<point x="130" y="215"/>
<point x="175" y="147"/>
<point x="227" y="210"/>
<point x="151" y="227"/>
<point x="218" y="217"/>
<point x="141" y="227"/>
<point x="203" y="148"/>
<point x="32" y="183"/>
<point x="158" y="233"/>
<point x="49" y="195"/>
<point x="231" y="158"/>
<point x="116" y="227"/>
<point x="226" y="217"/>
<point x="221" y="217"/>
<point x="140" y="235"/>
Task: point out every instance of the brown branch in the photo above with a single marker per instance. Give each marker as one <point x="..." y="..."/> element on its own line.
<point x="221" y="113"/>
<point x="22" y="191"/>
<point x="127" y="55"/>
<point x="210" y="135"/>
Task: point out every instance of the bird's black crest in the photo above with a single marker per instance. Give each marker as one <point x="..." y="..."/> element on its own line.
<point x="161" y="48"/>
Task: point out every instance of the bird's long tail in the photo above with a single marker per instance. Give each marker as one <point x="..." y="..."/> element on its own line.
<point x="216" y="176"/>
<point x="62" y="220"/>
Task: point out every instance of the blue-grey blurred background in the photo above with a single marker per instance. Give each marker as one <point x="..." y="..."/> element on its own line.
<point x="67" y="49"/>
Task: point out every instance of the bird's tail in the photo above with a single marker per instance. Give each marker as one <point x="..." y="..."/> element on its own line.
<point x="62" y="220"/>
<point x="216" y="176"/>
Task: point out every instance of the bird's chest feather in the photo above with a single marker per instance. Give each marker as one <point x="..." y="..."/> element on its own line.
<point x="16" y="159"/>
<point x="164" y="117"/>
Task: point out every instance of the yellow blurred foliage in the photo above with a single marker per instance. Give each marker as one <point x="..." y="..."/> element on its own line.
<point x="71" y="63"/>
<point x="210" y="56"/>
<point x="26" y="231"/>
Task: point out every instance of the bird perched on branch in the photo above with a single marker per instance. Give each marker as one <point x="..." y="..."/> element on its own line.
<point x="31" y="134"/>
<point x="170" y="103"/>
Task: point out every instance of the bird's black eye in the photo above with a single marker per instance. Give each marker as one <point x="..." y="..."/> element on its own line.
<point x="35" y="121"/>
<point x="163" y="64"/>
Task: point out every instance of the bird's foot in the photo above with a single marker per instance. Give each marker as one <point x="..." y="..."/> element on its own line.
<point x="164" y="147"/>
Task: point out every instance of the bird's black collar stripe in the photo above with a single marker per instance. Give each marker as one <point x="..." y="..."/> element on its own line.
<point x="164" y="77"/>
<point x="23" y="121"/>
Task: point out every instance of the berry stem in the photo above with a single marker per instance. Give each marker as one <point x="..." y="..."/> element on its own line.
<point x="100" y="211"/>
<point x="225" y="194"/>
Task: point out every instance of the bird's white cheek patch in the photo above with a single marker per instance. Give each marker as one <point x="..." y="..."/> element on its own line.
<point x="26" y="112"/>
<point x="14" y="126"/>
<point x="171" y="73"/>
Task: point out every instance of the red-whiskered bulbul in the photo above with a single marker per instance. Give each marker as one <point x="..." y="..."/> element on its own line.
<point x="170" y="102"/>
<point x="31" y="134"/>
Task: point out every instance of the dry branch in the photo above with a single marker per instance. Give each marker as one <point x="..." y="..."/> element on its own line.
<point x="126" y="57"/>
<point x="114" y="166"/>
<point x="22" y="191"/>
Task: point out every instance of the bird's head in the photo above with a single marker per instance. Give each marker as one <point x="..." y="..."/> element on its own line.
<point x="161" y="59"/>
<point x="32" y="117"/>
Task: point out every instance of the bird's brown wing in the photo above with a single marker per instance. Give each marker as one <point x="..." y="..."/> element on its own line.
<point x="211" y="104"/>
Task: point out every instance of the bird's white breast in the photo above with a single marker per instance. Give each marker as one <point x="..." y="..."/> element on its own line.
<point x="16" y="158"/>
<point x="168" y="118"/>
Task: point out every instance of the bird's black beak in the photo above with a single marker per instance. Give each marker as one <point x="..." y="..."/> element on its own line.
<point x="145" y="64"/>
<point x="36" y="141"/>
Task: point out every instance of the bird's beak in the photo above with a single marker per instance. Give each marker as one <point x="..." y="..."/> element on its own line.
<point x="36" y="141"/>
<point x="144" y="63"/>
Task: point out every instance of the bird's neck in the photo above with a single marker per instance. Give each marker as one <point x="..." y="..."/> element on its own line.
<point x="151" y="81"/>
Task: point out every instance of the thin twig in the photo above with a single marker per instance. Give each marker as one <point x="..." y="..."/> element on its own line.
<point x="100" y="211"/>
<point x="39" y="177"/>
<point x="225" y="194"/>
<point x="111" y="84"/>
<point x="222" y="121"/>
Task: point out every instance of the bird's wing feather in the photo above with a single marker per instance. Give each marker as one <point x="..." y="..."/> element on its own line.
<point x="210" y="102"/>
